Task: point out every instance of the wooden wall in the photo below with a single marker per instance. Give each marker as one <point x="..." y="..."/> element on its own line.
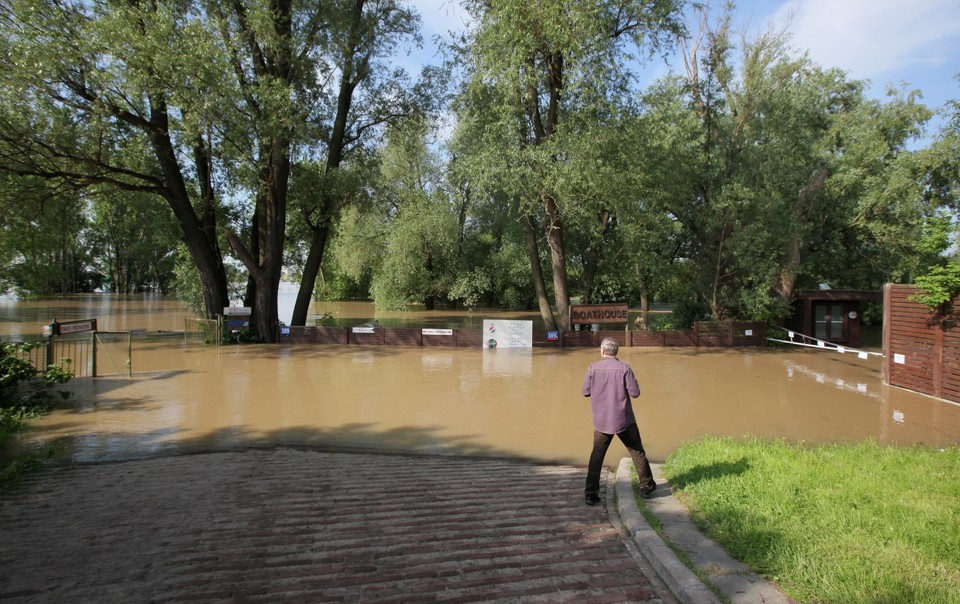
<point x="921" y="351"/>
<point x="705" y="333"/>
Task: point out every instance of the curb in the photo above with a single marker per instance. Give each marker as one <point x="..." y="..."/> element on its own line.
<point x="729" y="577"/>
<point x="684" y="584"/>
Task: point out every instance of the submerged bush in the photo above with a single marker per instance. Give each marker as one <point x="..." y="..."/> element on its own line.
<point x="22" y="385"/>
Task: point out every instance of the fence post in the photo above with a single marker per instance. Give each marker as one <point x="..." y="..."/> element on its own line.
<point x="93" y="349"/>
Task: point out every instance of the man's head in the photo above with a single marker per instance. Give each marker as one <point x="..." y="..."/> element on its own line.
<point x="609" y="347"/>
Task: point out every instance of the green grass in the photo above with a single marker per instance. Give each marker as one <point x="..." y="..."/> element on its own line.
<point x="830" y="524"/>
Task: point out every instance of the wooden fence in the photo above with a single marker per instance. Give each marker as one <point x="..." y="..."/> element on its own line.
<point x="706" y="333"/>
<point x="921" y="351"/>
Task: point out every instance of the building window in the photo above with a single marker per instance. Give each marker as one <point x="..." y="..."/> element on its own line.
<point x="828" y="321"/>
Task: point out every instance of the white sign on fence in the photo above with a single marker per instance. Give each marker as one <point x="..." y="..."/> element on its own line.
<point x="498" y="333"/>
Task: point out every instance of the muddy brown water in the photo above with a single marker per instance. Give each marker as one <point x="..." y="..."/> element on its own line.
<point x="505" y="403"/>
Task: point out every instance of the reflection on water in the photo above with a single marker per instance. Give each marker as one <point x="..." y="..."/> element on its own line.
<point x="515" y="403"/>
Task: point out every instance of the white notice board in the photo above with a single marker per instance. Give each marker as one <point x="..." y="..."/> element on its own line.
<point x="499" y="333"/>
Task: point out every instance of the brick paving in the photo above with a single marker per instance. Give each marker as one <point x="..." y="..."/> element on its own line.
<point x="289" y="525"/>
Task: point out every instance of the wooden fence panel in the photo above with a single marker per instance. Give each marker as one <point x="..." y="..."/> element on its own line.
<point x="950" y="379"/>
<point x="706" y="334"/>
<point x="301" y="335"/>
<point x="647" y="338"/>
<point x="330" y="335"/>
<point x="401" y="337"/>
<point x="583" y="338"/>
<point x="433" y="341"/>
<point x="920" y="352"/>
<point x="469" y="338"/>
<point x="679" y="337"/>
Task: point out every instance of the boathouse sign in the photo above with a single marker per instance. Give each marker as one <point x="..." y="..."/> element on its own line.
<point x="598" y="313"/>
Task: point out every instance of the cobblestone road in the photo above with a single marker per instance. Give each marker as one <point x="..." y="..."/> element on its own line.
<point x="288" y="525"/>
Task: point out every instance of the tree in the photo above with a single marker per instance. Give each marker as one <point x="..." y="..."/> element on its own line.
<point x="407" y="240"/>
<point x="781" y="174"/>
<point x="543" y="63"/>
<point x="104" y="96"/>
<point x="43" y="239"/>
<point x="133" y="243"/>
<point x="363" y="33"/>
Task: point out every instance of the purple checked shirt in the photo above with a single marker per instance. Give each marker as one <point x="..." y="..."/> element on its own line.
<point x="610" y="383"/>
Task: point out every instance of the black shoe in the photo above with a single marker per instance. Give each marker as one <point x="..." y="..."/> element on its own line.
<point x="592" y="499"/>
<point x="647" y="492"/>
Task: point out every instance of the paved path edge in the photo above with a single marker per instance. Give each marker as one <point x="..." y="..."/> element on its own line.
<point x="682" y="581"/>
<point x="731" y="578"/>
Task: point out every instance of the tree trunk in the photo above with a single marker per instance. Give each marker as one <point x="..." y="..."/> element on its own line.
<point x="592" y="261"/>
<point x="199" y="234"/>
<point x="539" y="286"/>
<point x="794" y="243"/>
<point x="349" y="80"/>
<point x="310" y="271"/>
<point x="558" y="262"/>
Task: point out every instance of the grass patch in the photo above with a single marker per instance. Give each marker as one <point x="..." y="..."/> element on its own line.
<point x="836" y="523"/>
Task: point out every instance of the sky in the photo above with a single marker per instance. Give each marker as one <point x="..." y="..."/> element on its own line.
<point x="888" y="42"/>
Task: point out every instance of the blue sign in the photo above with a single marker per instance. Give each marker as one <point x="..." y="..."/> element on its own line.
<point x="284" y="330"/>
<point x="553" y="336"/>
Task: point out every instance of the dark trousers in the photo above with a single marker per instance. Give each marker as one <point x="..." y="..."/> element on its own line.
<point x="631" y="440"/>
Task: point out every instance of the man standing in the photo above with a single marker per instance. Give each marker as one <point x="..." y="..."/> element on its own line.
<point x="610" y="384"/>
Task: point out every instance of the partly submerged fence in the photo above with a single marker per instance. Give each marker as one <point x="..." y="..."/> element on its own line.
<point x="704" y="333"/>
<point x="202" y="331"/>
<point x="921" y="351"/>
<point x="93" y="354"/>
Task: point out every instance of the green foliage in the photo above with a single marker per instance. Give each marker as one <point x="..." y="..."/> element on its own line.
<point x="44" y="239"/>
<point x="688" y="311"/>
<point x="22" y="385"/>
<point x="939" y="287"/>
<point x="134" y="242"/>
<point x="24" y="396"/>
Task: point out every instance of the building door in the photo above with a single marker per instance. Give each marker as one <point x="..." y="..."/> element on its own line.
<point x="828" y="322"/>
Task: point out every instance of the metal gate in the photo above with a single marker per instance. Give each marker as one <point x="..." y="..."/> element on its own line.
<point x="197" y="332"/>
<point x="112" y="351"/>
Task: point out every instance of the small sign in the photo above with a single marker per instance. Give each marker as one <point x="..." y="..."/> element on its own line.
<point x="364" y="330"/>
<point x="66" y="327"/>
<point x="748" y="332"/>
<point x="553" y="335"/>
<point x="237" y="311"/>
<point x="863" y="355"/>
<point x="437" y="332"/>
<point x="900" y="359"/>
<point x="284" y="330"/>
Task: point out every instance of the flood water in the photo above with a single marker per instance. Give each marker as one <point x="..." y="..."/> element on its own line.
<point x="521" y="404"/>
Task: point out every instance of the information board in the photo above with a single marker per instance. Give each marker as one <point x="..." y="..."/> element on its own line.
<point x="500" y="333"/>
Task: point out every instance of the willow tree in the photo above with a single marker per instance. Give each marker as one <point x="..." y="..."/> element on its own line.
<point x="552" y="71"/>
<point x="112" y="96"/>
<point x="781" y="174"/>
